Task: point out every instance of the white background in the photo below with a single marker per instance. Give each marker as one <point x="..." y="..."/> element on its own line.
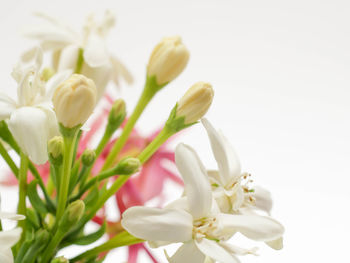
<point x="280" y="70"/>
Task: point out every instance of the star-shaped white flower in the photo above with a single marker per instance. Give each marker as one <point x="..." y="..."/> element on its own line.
<point x="230" y="186"/>
<point x="65" y="45"/>
<point x="196" y="221"/>
<point x="9" y="237"/>
<point x="31" y="119"/>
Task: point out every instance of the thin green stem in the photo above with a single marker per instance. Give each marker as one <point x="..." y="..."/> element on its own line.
<point x="22" y="208"/>
<point x="123" y="239"/>
<point x="145" y="98"/>
<point x="121" y="180"/>
<point x="64" y="177"/>
<point x="8" y="160"/>
<point x="104" y="140"/>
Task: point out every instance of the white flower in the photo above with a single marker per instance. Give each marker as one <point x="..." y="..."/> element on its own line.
<point x="65" y="45"/>
<point x="230" y="186"/>
<point x="195" y="220"/>
<point x="31" y="119"/>
<point x="9" y="238"/>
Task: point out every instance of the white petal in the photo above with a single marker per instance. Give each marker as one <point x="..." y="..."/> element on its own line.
<point x="120" y="71"/>
<point x="224" y="154"/>
<point x="52" y="123"/>
<point x="55" y="81"/>
<point x="238" y="250"/>
<point x="187" y="253"/>
<point x="10" y="237"/>
<point x="259" y="228"/>
<point x="68" y="58"/>
<point x="263" y="199"/>
<point x="5" y="215"/>
<point x="95" y="52"/>
<point x="213" y="250"/>
<point x="276" y="244"/>
<point x="29" y="127"/>
<point x="155" y="224"/>
<point x="197" y="186"/>
<point x="7" y="106"/>
<point x="100" y="75"/>
<point x="6" y="255"/>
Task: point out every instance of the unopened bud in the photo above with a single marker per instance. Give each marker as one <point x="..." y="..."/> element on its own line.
<point x="168" y="60"/>
<point x="72" y="215"/>
<point x="128" y="166"/>
<point x="60" y="260"/>
<point x="196" y="102"/>
<point x="88" y="157"/>
<point x="55" y="149"/>
<point x="74" y="100"/>
<point x="116" y="115"/>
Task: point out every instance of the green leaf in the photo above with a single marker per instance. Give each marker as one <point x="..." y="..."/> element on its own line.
<point x="91" y="238"/>
<point x="92" y="196"/>
<point x="34" y="198"/>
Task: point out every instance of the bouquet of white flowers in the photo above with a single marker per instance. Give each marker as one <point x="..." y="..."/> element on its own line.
<point x="64" y="183"/>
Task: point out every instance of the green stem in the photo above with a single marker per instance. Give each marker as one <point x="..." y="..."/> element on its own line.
<point x="22" y="209"/>
<point x="50" y="250"/>
<point x="145" y="98"/>
<point x="123" y="239"/>
<point x="64" y="177"/>
<point x="104" y="140"/>
<point x="121" y="180"/>
<point x="8" y="160"/>
<point x="101" y="176"/>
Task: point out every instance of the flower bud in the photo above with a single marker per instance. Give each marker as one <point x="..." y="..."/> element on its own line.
<point x="88" y="157"/>
<point x="128" y="166"/>
<point x="195" y="103"/>
<point x="55" y="149"/>
<point x="60" y="260"/>
<point x="168" y="60"/>
<point x="72" y="215"/>
<point x="74" y="100"/>
<point x="116" y="115"/>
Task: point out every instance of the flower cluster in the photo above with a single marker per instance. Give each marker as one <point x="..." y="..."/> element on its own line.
<point x="64" y="180"/>
<point x="215" y="206"/>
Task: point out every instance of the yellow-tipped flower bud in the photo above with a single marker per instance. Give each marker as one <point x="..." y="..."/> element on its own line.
<point x="196" y="102"/>
<point x="116" y="115"/>
<point x="168" y="60"/>
<point x="55" y="149"/>
<point x="88" y="157"/>
<point x="72" y="215"/>
<point x="74" y="100"/>
<point x="128" y="166"/>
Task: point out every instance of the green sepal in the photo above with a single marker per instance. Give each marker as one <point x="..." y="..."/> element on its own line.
<point x="34" y="198"/>
<point x="68" y="132"/>
<point x="90" y="238"/>
<point x="177" y="123"/>
<point x="152" y="86"/>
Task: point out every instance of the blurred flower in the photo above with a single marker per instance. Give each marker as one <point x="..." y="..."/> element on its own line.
<point x="74" y="100"/>
<point x="31" y="119"/>
<point x="195" y="220"/>
<point x="67" y="46"/>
